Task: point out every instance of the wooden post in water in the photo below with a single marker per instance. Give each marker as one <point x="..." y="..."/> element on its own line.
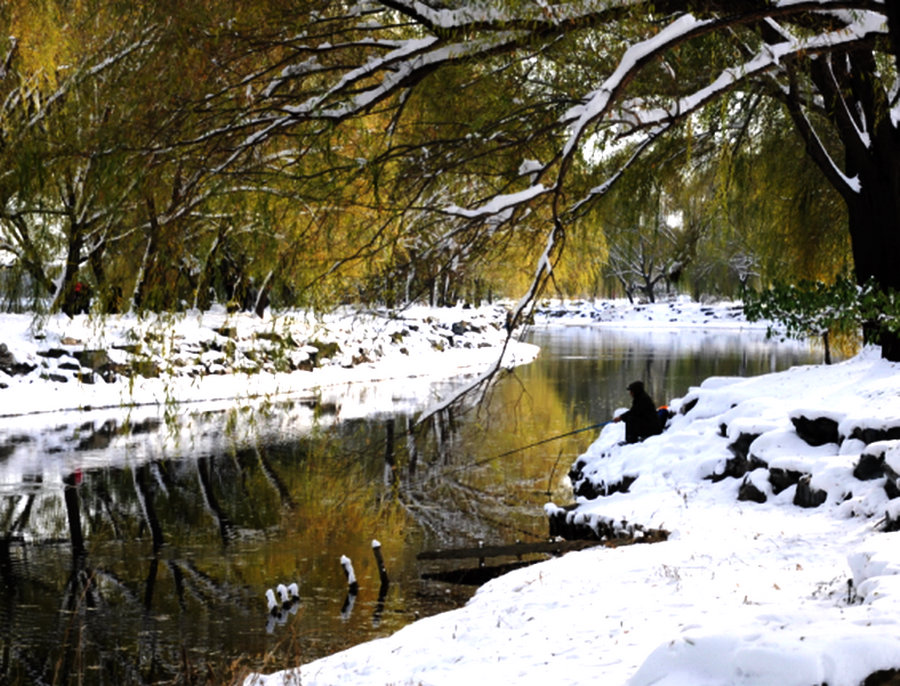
<point x="379" y="558"/>
<point x="352" y="585"/>
<point x="352" y="588"/>
<point x="385" y="583"/>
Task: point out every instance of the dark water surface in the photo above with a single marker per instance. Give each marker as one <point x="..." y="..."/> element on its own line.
<point x="129" y="559"/>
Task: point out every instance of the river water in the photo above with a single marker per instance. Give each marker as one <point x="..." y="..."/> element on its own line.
<point x="123" y="562"/>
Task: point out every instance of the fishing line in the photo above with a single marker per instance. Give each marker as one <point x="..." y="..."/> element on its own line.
<point x="484" y="461"/>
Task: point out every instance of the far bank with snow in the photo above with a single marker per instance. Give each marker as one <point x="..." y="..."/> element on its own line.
<point x="61" y="363"/>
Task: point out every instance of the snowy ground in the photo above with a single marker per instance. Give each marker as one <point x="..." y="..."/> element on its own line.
<point x="742" y="593"/>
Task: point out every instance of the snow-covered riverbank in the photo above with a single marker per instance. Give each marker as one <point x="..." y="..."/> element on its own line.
<point x="744" y="592"/>
<point x="62" y="363"/>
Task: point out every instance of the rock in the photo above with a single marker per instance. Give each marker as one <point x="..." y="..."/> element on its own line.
<point x="145" y="426"/>
<point x="108" y="374"/>
<point x="226" y="331"/>
<point x="869" y="435"/>
<point x="576" y="471"/>
<point x="10" y="365"/>
<point x="275" y="338"/>
<point x="740" y="447"/>
<point x="689" y="405"/>
<point x="890" y="524"/>
<point x="562" y="525"/>
<point x="749" y="491"/>
<point x="565" y="523"/>
<point x="869" y="467"/>
<point x="891" y="481"/>
<point x="883" y="677"/>
<point x="324" y="351"/>
<point x="362" y="358"/>
<point x="737" y="467"/>
<point x="146" y="368"/>
<point x="742" y="462"/>
<point x="92" y="359"/>
<point x="96" y="439"/>
<point x="588" y="489"/>
<point x="891" y="489"/>
<point x="783" y="478"/>
<point x="818" y="431"/>
<point x="806" y="495"/>
<point x="53" y="353"/>
<point x="6" y="357"/>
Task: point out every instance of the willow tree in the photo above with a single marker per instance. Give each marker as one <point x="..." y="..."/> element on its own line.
<point x="535" y="110"/>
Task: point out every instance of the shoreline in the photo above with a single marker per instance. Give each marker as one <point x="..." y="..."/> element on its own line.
<point x="79" y="364"/>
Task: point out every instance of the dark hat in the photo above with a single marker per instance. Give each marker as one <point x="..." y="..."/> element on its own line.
<point x="636" y="386"/>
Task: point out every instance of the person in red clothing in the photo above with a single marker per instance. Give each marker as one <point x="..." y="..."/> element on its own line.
<point x="642" y="420"/>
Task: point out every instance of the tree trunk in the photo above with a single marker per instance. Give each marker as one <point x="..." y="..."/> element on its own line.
<point x="262" y="297"/>
<point x="70" y="298"/>
<point x="870" y="186"/>
<point x="139" y="294"/>
<point x="874" y="223"/>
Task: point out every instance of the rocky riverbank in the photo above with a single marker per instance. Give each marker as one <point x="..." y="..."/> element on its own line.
<point x="57" y="363"/>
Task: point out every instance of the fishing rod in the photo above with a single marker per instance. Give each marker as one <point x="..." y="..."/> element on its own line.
<point x="547" y="440"/>
<point x="478" y="463"/>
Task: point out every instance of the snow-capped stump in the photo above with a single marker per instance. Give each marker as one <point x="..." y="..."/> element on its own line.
<point x="816" y="427"/>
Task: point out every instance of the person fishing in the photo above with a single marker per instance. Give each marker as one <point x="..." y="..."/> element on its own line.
<point x="642" y="420"/>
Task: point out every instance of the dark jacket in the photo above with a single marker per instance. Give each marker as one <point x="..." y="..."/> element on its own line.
<point x="642" y="420"/>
